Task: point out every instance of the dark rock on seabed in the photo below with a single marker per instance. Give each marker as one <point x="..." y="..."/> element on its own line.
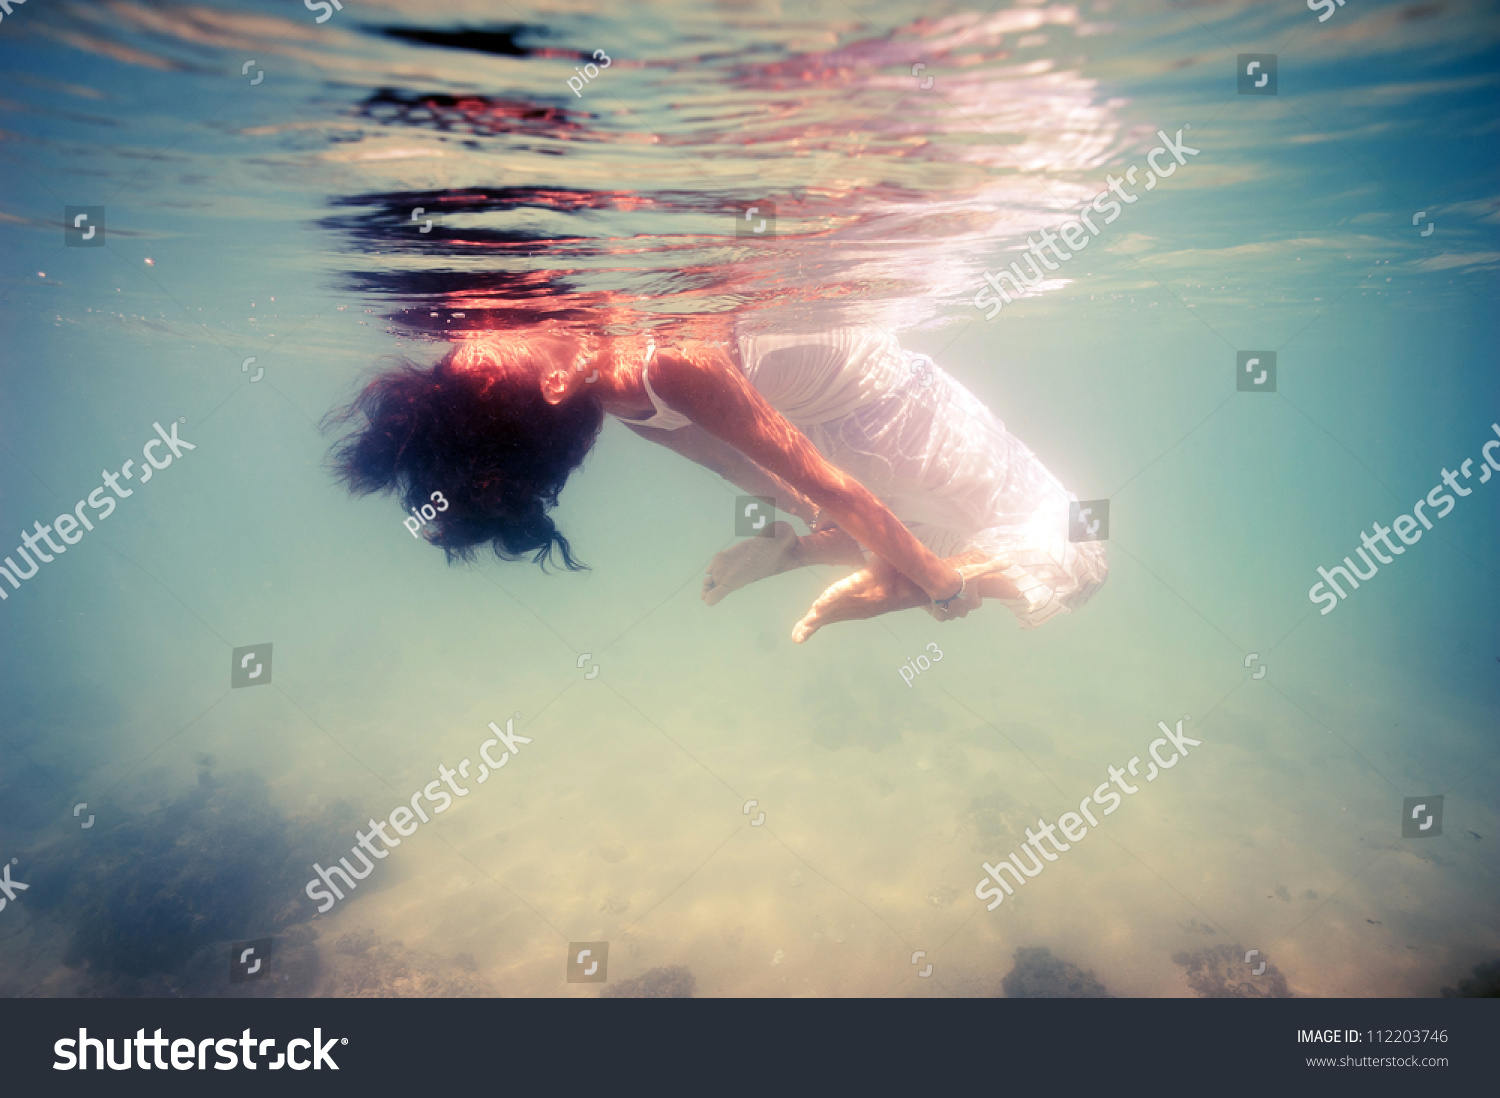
<point x="150" y="902"/>
<point x="1484" y="985"/>
<point x="364" y="966"/>
<point x="675" y="982"/>
<point x="1221" y="972"/>
<point x="1040" y="975"/>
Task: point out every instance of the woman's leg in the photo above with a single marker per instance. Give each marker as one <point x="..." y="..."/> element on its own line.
<point x="756" y="558"/>
<point x="879" y="589"/>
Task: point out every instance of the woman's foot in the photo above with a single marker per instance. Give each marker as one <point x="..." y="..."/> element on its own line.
<point x="747" y="561"/>
<point x="880" y="589"/>
<point x="873" y="590"/>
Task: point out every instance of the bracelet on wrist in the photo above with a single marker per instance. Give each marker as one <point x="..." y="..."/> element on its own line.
<point x="957" y="596"/>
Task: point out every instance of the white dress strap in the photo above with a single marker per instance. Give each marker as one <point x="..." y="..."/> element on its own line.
<point x="664" y="418"/>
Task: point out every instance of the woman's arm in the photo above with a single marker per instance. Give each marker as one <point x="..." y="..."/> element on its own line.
<point x="704" y="385"/>
<point x="717" y="456"/>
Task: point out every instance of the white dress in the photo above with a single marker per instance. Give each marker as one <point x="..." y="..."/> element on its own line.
<point x="929" y="450"/>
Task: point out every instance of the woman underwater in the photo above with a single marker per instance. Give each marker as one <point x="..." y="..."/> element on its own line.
<point x="877" y="457"/>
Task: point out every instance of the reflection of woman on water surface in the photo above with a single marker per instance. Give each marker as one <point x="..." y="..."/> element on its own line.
<point x="905" y="466"/>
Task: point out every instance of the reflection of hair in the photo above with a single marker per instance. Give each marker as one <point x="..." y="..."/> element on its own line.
<point x="475" y="427"/>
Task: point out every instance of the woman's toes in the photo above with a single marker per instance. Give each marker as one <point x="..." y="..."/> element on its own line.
<point x="805" y="628"/>
<point x="713" y="590"/>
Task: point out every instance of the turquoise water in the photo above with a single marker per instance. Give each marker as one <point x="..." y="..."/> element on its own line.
<point x="273" y="220"/>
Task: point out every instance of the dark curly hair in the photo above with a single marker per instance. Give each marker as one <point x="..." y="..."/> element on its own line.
<point x="476" y="428"/>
